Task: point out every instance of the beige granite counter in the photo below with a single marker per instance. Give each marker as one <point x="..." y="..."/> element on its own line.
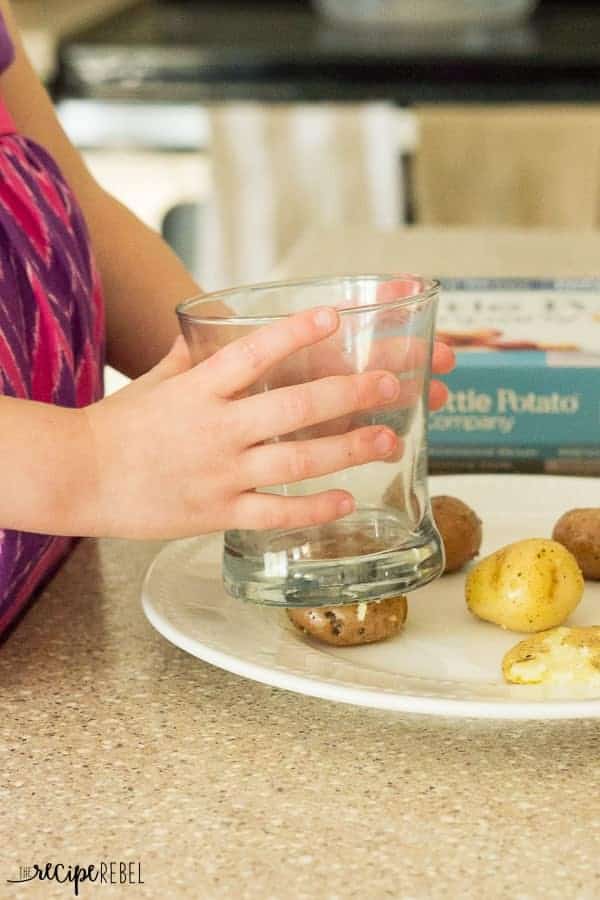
<point x="44" y="23"/>
<point x="117" y="746"/>
<point x="450" y="252"/>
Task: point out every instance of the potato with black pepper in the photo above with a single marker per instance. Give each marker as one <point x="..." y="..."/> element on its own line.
<point x="559" y="656"/>
<point x="354" y="623"/>
<point x="531" y="585"/>
<point x="460" y="530"/>
<point x="579" y="531"/>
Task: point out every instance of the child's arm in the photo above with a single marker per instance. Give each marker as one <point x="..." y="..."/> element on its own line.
<point x="47" y="461"/>
<point x="143" y="279"/>
<point x="176" y="452"/>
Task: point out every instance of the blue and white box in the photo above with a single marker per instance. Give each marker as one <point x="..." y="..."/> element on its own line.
<point x="525" y="393"/>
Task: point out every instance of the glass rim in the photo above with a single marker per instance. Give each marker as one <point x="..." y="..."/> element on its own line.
<point x="431" y="287"/>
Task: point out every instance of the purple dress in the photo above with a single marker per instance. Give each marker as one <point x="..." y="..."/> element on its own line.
<point x="51" y="320"/>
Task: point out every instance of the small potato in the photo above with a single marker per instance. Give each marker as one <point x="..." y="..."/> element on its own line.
<point x="559" y="656"/>
<point x="355" y="623"/>
<point x="579" y="531"/>
<point x="531" y="585"/>
<point x="458" y="525"/>
<point x="460" y="530"/>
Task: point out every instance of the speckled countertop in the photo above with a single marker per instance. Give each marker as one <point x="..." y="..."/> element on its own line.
<point x="117" y="746"/>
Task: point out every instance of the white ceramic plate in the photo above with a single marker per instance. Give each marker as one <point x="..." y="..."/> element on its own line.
<point x="445" y="663"/>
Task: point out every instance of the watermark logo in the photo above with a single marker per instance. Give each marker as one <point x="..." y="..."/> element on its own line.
<point x="104" y="872"/>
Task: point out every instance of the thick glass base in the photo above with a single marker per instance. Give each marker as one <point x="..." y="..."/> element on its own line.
<point x="367" y="556"/>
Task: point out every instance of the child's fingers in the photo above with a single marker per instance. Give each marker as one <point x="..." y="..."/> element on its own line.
<point x="240" y="363"/>
<point x="268" y="511"/>
<point x="285" y="410"/>
<point x="289" y="462"/>
<point x="399" y="354"/>
<point x="401" y="288"/>
<point x="443" y="358"/>
<point x="438" y="394"/>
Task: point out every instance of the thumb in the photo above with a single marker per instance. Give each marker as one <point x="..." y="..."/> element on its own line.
<point x="176" y="362"/>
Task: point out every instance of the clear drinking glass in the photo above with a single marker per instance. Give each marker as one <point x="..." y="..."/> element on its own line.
<point x="389" y="544"/>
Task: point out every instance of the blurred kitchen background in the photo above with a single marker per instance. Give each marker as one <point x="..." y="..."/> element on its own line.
<point x="233" y="126"/>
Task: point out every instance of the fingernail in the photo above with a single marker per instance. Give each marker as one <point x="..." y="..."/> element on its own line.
<point x="388" y="387"/>
<point x="324" y="319"/>
<point x="345" y="506"/>
<point x="384" y="443"/>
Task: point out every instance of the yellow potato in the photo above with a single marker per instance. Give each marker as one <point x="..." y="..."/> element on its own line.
<point x="531" y="585"/>
<point x="558" y="656"/>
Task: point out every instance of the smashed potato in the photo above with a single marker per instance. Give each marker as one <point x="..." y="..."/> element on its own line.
<point x="459" y="528"/>
<point x="531" y="585"/>
<point x="554" y="657"/>
<point x="355" y="623"/>
<point x="579" y="531"/>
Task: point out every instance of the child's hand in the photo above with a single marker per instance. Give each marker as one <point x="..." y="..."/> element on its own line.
<point x="356" y="345"/>
<point x="179" y="451"/>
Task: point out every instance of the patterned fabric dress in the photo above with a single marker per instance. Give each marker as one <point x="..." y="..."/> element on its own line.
<point x="51" y="320"/>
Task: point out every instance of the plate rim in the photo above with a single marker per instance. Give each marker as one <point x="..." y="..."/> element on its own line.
<point x="447" y="707"/>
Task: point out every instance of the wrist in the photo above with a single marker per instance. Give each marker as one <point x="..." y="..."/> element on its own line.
<point x="48" y="469"/>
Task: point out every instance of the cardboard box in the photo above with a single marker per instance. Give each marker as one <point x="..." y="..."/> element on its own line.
<point x="525" y="393"/>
